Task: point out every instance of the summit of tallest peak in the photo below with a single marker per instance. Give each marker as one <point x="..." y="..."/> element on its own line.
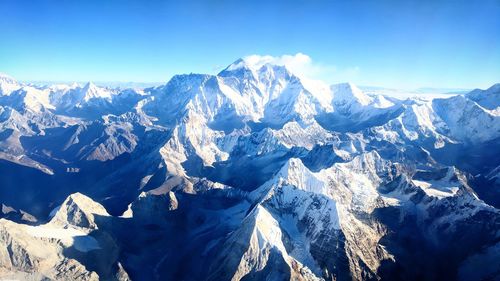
<point x="252" y="66"/>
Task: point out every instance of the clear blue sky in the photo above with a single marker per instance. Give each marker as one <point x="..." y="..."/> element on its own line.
<point x="382" y="43"/>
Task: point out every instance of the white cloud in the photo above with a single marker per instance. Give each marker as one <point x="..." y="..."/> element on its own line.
<point x="303" y="65"/>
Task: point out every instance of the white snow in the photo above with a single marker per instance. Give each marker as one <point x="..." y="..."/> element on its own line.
<point x="349" y="94"/>
<point x="437" y="189"/>
<point x="267" y="230"/>
<point x="70" y="237"/>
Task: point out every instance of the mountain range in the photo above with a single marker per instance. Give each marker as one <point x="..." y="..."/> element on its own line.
<point x="255" y="173"/>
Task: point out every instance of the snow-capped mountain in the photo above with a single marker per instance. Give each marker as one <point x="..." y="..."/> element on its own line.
<point x="256" y="173"/>
<point x="488" y="99"/>
<point x="8" y="84"/>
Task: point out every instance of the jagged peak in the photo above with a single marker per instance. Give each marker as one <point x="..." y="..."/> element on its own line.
<point x="381" y="101"/>
<point x="186" y="81"/>
<point x="252" y="62"/>
<point x="275" y="69"/>
<point x="480" y="93"/>
<point x="239" y="63"/>
<point x="166" y="199"/>
<point x="7" y="78"/>
<point x="261" y="222"/>
<point x="272" y="72"/>
<point x="489" y="98"/>
<point x="292" y="173"/>
<point x="458" y="101"/>
<point x="494" y="88"/>
<point x="90" y="86"/>
<point x="344" y="93"/>
<point x="257" y="68"/>
<point x="84" y="202"/>
<point x="8" y="84"/>
<point x="370" y="156"/>
<point x="151" y="206"/>
<point x="368" y="161"/>
<point x="291" y="166"/>
<point x="239" y="68"/>
<point x="295" y="173"/>
<point x="78" y="210"/>
<point x="91" y="91"/>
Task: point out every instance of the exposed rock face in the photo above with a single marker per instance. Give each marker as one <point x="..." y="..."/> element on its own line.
<point x="16" y="215"/>
<point x="80" y="211"/>
<point x="350" y="221"/>
<point x="152" y="207"/>
<point x="254" y="173"/>
<point x="63" y="249"/>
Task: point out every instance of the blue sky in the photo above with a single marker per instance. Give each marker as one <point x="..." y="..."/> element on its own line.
<point x="404" y="44"/>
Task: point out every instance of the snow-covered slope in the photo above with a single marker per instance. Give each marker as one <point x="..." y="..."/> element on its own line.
<point x="466" y="120"/>
<point x="62" y="249"/>
<point x="489" y="99"/>
<point x="256" y="173"/>
<point x="8" y="84"/>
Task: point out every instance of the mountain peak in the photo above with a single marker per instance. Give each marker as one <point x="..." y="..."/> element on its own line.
<point x="239" y="68"/>
<point x="275" y="70"/>
<point x="255" y="67"/>
<point x="7" y="84"/>
<point x="78" y="210"/>
<point x="250" y="62"/>
<point x="89" y="85"/>
<point x="347" y="93"/>
<point x="91" y="91"/>
<point x="239" y="63"/>
<point x="494" y="88"/>
<point x="489" y="98"/>
<point x="295" y="173"/>
<point x="7" y="79"/>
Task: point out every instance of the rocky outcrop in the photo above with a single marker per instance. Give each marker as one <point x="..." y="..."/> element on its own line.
<point x="151" y="207"/>
<point x="69" y="247"/>
<point x="80" y="211"/>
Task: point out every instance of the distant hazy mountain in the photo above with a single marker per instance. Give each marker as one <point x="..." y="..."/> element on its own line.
<point x="419" y="92"/>
<point x="109" y="84"/>
<point x="252" y="174"/>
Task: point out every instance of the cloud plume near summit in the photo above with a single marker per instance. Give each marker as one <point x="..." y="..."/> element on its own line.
<point x="303" y="65"/>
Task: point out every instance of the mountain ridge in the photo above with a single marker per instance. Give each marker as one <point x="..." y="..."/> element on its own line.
<point x="254" y="173"/>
